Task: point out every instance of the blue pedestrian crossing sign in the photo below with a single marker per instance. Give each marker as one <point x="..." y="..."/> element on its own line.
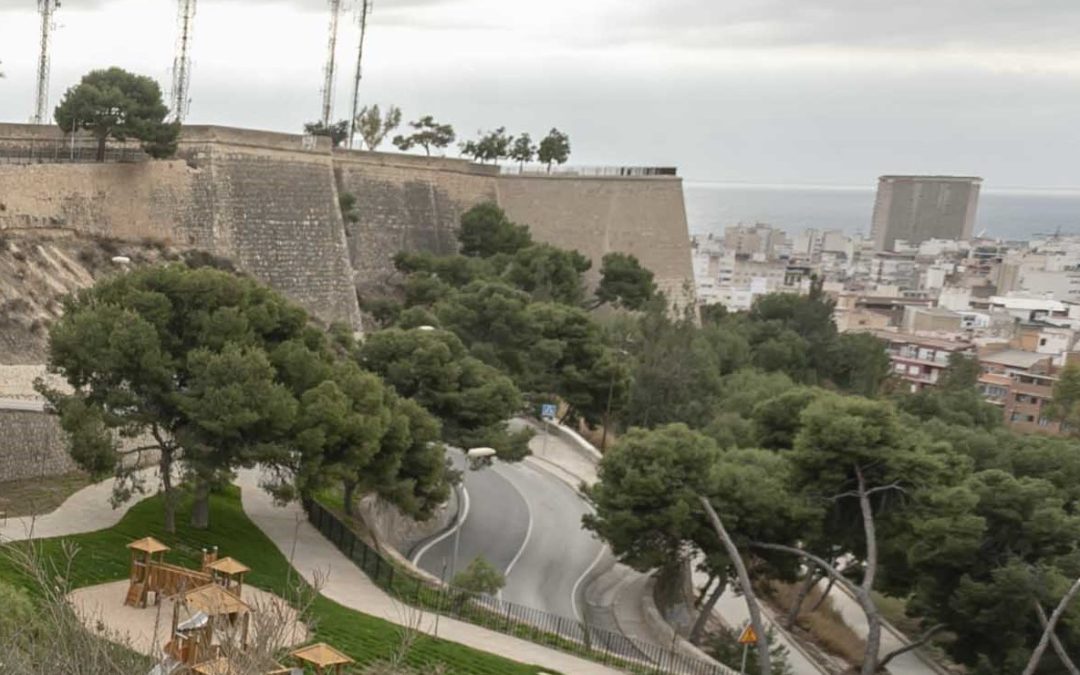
<point x="548" y="411"/>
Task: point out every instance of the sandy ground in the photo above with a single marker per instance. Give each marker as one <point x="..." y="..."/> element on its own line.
<point x="101" y="608"/>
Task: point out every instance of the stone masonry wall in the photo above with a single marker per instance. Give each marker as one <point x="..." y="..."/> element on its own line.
<point x="270" y="201"/>
<point x="31" y="445"/>
<point x="127" y="201"/>
<point x="266" y="200"/>
<point x="276" y="214"/>
<point x="644" y="216"/>
<point x="406" y="203"/>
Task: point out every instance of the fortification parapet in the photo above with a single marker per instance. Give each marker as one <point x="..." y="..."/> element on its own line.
<point x="637" y="212"/>
<point x="270" y="201"/>
<point x="406" y="202"/>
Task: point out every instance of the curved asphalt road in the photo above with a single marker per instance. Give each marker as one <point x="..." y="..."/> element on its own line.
<point x="526" y="523"/>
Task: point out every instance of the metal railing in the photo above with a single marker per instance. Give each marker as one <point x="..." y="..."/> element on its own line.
<point x="559" y="632"/>
<point x="64" y="152"/>
<point x="606" y="171"/>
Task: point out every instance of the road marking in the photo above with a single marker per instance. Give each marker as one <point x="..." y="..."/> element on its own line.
<point x="463" y="514"/>
<point x="537" y="464"/>
<point x="574" y="590"/>
<point x="528" y="530"/>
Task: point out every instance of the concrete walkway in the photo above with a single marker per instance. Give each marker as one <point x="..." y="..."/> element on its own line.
<point x="908" y="663"/>
<point x="317" y="560"/>
<point x="88" y="510"/>
<point x="731" y="610"/>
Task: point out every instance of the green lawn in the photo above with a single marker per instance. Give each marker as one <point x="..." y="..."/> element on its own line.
<point x="102" y="557"/>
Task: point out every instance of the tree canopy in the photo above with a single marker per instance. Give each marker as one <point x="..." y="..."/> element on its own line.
<point x="432" y="367"/>
<point x="554" y="149"/>
<point x="337" y="132"/>
<point x="427" y="134"/>
<point x="117" y="104"/>
<point x="373" y="126"/>
<point x="216" y="372"/>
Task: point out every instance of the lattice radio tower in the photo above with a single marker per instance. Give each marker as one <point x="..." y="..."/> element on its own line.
<point x="365" y="10"/>
<point x="181" y="70"/>
<point x="328" y="83"/>
<point x="47" y="8"/>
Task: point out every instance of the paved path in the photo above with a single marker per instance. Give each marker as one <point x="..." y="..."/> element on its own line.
<point x="527" y="523"/>
<point x="313" y="556"/>
<point x="88" y="510"/>
<point x="731" y="610"/>
<point x="909" y="663"/>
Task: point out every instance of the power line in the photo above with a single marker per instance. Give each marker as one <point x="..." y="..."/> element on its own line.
<point x="181" y="70"/>
<point x="41" y="99"/>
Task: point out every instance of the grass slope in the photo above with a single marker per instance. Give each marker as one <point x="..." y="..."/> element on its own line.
<point x="103" y="557"/>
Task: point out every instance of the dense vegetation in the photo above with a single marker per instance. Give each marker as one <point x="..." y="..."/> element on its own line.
<point x="33" y="642"/>
<point x="792" y="432"/>
<point x="795" y="433"/>
<point x="113" y="103"/>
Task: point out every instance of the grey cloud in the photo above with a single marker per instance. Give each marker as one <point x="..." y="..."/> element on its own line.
<point x="870" y="23"/>
<point x="390" y="6"/>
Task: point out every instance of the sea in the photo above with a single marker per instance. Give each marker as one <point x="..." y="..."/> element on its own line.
<point x="1010" y="215"/>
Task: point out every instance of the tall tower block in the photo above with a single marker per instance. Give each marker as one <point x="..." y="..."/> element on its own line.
<point x="915" y="209"/>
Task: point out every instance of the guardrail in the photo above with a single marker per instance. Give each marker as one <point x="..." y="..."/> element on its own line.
<point x="551" y="630"/>
<point x="606" y="171"/>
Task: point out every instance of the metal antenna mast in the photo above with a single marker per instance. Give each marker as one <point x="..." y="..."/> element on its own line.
<point x="328" y="84"/>
<point x="41" y="100"/>
<point x="365" y="9"/>
<point x="181" y="70"/>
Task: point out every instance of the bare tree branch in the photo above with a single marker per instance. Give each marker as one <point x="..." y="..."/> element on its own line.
<point x="874" y="490"/>
<point x="915" y="644"/>
<point x="764" y="658"/>
<point x="1055" y="642"/>
<point x="1040" y="648"/>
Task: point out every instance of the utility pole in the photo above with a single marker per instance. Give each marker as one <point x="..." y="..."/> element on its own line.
<point x="41" y="100"/>
<point x="328" y="73"/>
<point x="181" y="71"/>
<point x="365" y="9"/>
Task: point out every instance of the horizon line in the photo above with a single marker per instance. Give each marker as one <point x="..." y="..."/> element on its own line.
<point x="1063" y="190"/>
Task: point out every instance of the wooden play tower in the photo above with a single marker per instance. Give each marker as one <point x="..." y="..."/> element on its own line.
<point x="210" y="620"/>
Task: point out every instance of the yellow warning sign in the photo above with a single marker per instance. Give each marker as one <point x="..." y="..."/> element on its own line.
<point x="748" y="637"/>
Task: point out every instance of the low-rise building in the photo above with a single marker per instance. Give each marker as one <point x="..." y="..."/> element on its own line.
<point x="920" y="361"/>
<point x="1021" y="383"/>
<point x="930" y="319"/>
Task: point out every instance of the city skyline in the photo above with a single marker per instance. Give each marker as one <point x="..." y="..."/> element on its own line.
<point x="829" y="92"/>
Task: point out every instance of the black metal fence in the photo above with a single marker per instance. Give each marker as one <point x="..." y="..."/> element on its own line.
<point x="544" y="628"/>
<point x="64" y="152"/>
<point x="605" y="171"/>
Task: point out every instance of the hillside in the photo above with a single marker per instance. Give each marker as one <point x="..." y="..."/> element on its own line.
<point x="38" y="268"/>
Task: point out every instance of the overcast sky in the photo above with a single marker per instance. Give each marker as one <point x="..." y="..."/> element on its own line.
<point x="775" y="91"/>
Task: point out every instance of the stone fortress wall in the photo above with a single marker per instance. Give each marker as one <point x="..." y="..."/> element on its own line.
<point x="270" y="202"/>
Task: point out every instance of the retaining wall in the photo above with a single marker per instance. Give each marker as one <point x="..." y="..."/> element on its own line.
<point x="32" y="445"/>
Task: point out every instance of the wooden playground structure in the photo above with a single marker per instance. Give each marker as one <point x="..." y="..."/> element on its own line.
<point x="208" y="612"/>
